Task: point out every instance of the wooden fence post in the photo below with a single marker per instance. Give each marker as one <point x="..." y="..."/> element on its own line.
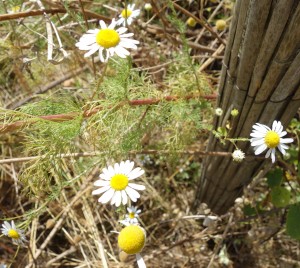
<point x="261" y="78"/>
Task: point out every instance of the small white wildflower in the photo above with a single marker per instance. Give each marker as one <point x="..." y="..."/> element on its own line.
<point x="218" y="112"/>
<point x="238" y="155"/>
<point x="14" y="233"/>
<point x="108" y="41"/>
<point x="265" y="138"/>
<point x="115" y="183"/>
<point x="133" y="214"/>
<point x="128" y="14"/>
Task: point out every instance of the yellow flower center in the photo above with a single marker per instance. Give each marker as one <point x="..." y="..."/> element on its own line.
<point x="13" y="234"/>
<point x="107" y="38"/>
<point x="132" y="239"/>
<point x="126" y="13"/>
<point x="131" y="215"/>
<point x="119" y="182"/>
<point x="272" y="139"/>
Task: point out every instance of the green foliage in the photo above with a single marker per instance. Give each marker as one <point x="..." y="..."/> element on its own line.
<point x="293" y="220"/>
<point x="280" y="196"/>
<point x="58" y="105"/>
<point x="274" y="177"/>
<point x="249" y="210"/>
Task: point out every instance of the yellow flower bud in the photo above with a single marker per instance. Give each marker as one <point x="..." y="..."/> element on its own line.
<point x="221" y="25"/>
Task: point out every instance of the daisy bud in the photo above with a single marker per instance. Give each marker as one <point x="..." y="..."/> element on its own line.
<point x="220" y="25"/>
<point x="191" y="22"/>
<point x="218" y="112"/>
<point x="148" y="6"/>
<point x="234" y="112"/>
<point x="238" y="155"/>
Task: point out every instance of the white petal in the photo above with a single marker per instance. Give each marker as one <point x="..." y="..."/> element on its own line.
<point x="111" y="171"/>
<point x="121" y="21"/>
<point x="101" y="190"/>
<point x="105" y="171"/>
<point x="121" y="31"/>
<point x="256" y="139"/>
<point x="7" y="225"/>
<point x="284" y="146"/>
<point x="274" y="126"/>
<point x="128" y="167"/>
<point x="124" y="197"/>
<point x="127" y="45"/>
<point x="122" y="52"/>
<point x="101" y="183"/>
<point x="140" y="261"/>
<point x="106" y="196"/>
<point x="114" y="198"/>
<point x="282" y="150"/>
<point x="268" y="153"/>
<point x="137" y="186"/>
<point x="93" y="31"/>
<point x="117" y="168"/>
<point x="126" y="35"/>
<point x="283" y="133"/>
<point x="287" y="140"/>
<point x="137" y="172"/>
<point x="118" y="198"/>
<point x="257" y="135"/>
<point x="113" y="24"/>
<point x="260" y="128"/>
<point x="102" y="24"/>
<point x="133" y="194"/>
<point x="105" y="176"/>
<point x="94" y="48"/>
<point x="273" y="155"/>
<point x="257" y="142"/>
<point x="260" y="149"/>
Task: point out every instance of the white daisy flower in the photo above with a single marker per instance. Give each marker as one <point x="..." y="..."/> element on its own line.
<point x="107" y="41"/>
<point x="263" y="137"/>
<point x="218" y="112"/>
<point x="133" y="214"/>
<point x="128" y="14"/>
<point x="238" y="155"/>
<point x="115" y="183"/>
<point x="14" y="233"/>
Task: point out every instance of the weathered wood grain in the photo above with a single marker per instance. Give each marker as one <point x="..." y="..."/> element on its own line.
<point x="261" y="78"/>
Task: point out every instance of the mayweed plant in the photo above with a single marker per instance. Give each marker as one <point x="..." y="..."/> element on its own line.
<point x="265" y="138"/>
<point x="108" y="41"/>
<point x="17" y="235"/>
<point x="128" y="15"/>
<point x="115" y="185"/>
